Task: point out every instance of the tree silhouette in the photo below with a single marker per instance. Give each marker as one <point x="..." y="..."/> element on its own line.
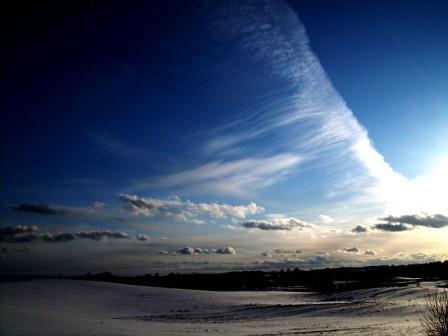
<point x="435" y="318"/>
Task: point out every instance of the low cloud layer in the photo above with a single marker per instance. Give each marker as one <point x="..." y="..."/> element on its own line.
<point x="45" y="209"/>
<point x="279" y="224"/>
<point x="435" y="221"/>
<point x="187" y="210"/>
<point x="27" y="234"/>
<point x="409" y="222"/>
<point x="388" y="227"/>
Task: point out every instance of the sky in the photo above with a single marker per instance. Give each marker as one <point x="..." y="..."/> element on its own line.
<point x="211" y="136"/>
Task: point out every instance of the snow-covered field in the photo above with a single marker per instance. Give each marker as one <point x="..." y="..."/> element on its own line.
<point x="66" y="307"/>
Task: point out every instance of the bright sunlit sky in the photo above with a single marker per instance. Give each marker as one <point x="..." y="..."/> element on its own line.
<point x="212" y="136"/>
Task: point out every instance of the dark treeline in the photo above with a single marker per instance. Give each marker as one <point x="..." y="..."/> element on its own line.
<point x="323" y="280"/>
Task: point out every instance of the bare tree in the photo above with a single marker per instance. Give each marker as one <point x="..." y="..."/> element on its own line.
<point x="435" y="317"/>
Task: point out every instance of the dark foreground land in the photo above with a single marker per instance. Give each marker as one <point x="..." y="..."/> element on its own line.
<point x="322" y="280"/>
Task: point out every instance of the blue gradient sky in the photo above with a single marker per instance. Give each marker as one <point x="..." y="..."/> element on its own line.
<point x="254" y="125"/>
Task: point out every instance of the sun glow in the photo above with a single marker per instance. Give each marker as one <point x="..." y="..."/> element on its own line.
<point x="425" y="193"/>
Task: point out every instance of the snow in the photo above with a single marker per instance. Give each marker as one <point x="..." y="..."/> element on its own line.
<point x="68" y="307"/>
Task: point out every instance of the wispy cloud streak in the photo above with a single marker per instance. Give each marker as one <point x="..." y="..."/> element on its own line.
<point x="310" y="124"/>
<point x="232" y="177"/>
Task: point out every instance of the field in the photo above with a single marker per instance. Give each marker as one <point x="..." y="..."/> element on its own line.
<point x="70" y="307"/>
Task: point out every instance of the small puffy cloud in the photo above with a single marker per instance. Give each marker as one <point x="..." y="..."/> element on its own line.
<point x="186" y="250"/>
<point x="283" y="224"/>
<point x="45" y="209"/>
<point x="187" y="210"/>
<point x="359" y="229"/>
<point x="351" y="249"/>
<point x="200" y="251"/>
<point x="356" y="250"/>
<point x="142" y="237"/>
<point x="226" y="250"/>
<point x="326" y="219"/>
<point x="433" y="221"/>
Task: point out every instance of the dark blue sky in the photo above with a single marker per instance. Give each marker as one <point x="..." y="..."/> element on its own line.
<point x="222" y="102"/>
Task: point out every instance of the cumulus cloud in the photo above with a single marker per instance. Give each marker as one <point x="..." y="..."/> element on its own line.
<point x="356" y="250"/>
<point x="45" y="209"/>
<point x="24" y="234"/>
<point x="200" y="250"/>
<point x="187" y="210"/>
<point x="142" y="237"/>
<point x="359" y="229"/>
<point x="351" y="249"/>
<point x="282" y="224"/>
<point x="226" y="250"/>
<point x="186" y="250"/>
